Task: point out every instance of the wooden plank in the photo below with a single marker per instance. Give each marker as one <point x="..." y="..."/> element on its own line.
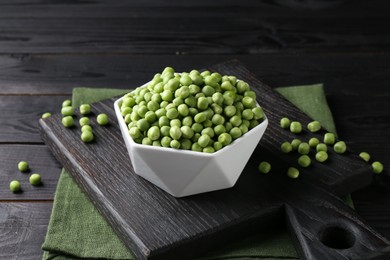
<point x="163" y="226"/>
<point x="149" y="30"/>
<point x="59" y="74"/>
<point x="20" y="114"/>
<point x="22" y="229"/>
<point x="40" y="160"/>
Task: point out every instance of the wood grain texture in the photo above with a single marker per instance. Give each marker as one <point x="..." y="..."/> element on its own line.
<point x="341" y="73"/>
<point x="269" y="26"/>
<point x="22" y="229"/>
<point x="210" y="219"/>
<point x="40" y="160"/>
<point x="20" y="114"/>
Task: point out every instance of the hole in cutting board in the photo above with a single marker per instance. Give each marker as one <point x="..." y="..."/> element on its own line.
<point x="337" y="237"/>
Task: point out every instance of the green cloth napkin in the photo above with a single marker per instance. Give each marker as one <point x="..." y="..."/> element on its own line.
<point x="76" y="229"/>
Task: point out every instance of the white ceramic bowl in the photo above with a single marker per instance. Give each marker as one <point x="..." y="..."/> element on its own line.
<point x="182" y="172"/>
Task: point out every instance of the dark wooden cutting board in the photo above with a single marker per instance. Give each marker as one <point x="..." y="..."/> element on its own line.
<point x="153" y="224"/>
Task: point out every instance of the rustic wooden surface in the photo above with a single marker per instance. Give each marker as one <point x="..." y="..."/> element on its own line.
<point x="47" y="48"/>
<point x="168" y="227"/>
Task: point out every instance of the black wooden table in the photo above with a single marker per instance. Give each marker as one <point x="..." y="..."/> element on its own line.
<point x="49" y="47"/>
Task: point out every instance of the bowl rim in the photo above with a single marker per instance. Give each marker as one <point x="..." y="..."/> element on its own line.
<point x="123" y="124"/>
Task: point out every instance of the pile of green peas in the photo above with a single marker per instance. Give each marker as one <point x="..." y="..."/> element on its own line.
<point x="198" y="111"/>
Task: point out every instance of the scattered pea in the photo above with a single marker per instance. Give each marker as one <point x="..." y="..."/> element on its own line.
<point x="15" y="186"/>
<point x="295" y="143"/>
<point x="304" y="148"/>
<point x="329" y="138"/>
<point x="313" y="142"/>
<point x="87" y="136"/>
<point x="285" y="123"/>
<point x="314" y="126"/>
<point x="66" y="103"/>
<point x="86" y="128"/>
<point x="304" y="161"/>
<point x="23" y="166"/>
<point x="377" y="167"/>
<point x="286" y="147"/>
<point x="46" y="115"/>
<point x="102" y="119"/>
<point x="67" y="111"/>
<point x="293" y="172"/>
<point x="340" y="147"/>
<point x="321" y="147"/>
<point x="365" y="156"/>
<point x="85" y="109"/>
<point x="295" y="127"/>
<point x="67" y="121"/>
<point x="35" y="179"/>
<point x="321" y="156"/>
<point x="84" y="121"/>
<point x="264" y="167"/>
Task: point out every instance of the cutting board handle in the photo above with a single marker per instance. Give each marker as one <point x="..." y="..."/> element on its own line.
<point x="330" y="229"/>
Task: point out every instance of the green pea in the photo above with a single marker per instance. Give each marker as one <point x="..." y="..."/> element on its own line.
<point x="86" y="128"/>
<point x="175" y="132"/>
<point x="167" y="95"/>
<point x="242" y="86"/>
<point x="377" y="167"/>
<point x="147" y="141"/>
<point x="230" y="111"/>
<point x="156" y="143"/>
<point x="295" y="127"/>
<point x="340" y="147"/>
<point x="187" y="132"/>
<point x="286" y="147"/>
<point x="203" y="103"/>
<point x="208" y="91"/>
<point x="285" y="123"/>
<point x="217" y="146"/>
<point x="166" y="141"/>
<point x="84" y="121"/>
<point x="313" y="142"/>
<point x="365" y="156"/>
<point x="23" y="166"/>
<point x="153" y="133"/>
<point x="295" y="143"/>
<point x="160" y="112"/>
<point x="217" y="98"/>
<point x="66" y="103"/>
<point x="235" y="120"/>
<point x="264" y="167"/>
<point x="248" y="102"/>
<point x="226" y="85"/>
<point x="151" y="117"/>
<point x="67" y="111"/>
<point x="217" y="119"/>
<point x="175" y="144"/>
<point x="164" y="130"/>
<point x="15" y="186"/>
<point x="321" y="156"/>
<point x="293" y="172"/>
<point x="204" y="140"/>
<point x="304" y="161"/>
<point x="200" y="117"/>
<point x="228" y="126"/>
<point x="153" y="105"/>
<point x="175" y="122"/>
<point x="208" y="131"/>
<point x="211" y="81"/>
<point x="87" y="136"/>
<point x="248" y="114"/>
<point x="314" y="126"/>
<point x="185" y="80"/>
<point x="304" y="148"/>
<point x="322" y="147"/>
<point x="135" y="133"/>
<point x="185" y="144"/>
<point x="67" y="121"/>
<point x="102" y="119"/>
<point x="194" y="89"/>
<point x="329" y="138"/>
<point x="258" y="113"/>
<point x="128" y="102"/>
<point x="35" y="179"/>
<point x="141" y="111"/>
<point x="85" y="109"/>
<point x="196" y="147"/>
<point x="143" y="124"/>
<point x="172" y="113"/>
<point x="235" y="132"/>
<point x="225" y="139"/>
<point x="46" y="115"/>
<point x="244" y="129"/>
